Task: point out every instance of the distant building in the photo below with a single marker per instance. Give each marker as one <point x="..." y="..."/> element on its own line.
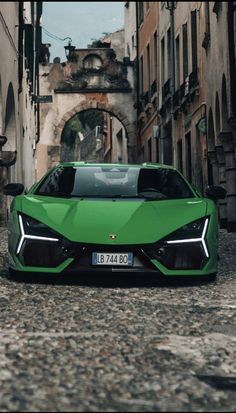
<point x="188" y="120"/>
<point x="130" y="30"/>
<point x="99" y="78"/>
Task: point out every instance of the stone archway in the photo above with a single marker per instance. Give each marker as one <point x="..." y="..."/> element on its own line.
<point x="51" y="152"/>
<point x="94" y="135"/>
<point x="80" y="84"/>
<point x="130" y="128"/>
<point x="105" y="107"/>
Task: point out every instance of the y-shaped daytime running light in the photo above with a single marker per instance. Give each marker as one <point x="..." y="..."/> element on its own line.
<point x="193" y="240"/>
<point x="33" y="237"/>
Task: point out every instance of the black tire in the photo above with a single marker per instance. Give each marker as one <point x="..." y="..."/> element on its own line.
<point x="18" y="276"/>
<point x="211" y="278"/>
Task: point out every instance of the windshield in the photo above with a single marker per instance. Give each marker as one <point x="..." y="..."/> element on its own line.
<point x="115" y="182"/>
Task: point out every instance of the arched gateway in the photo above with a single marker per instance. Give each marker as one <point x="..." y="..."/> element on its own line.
<point x="76" y="86"/>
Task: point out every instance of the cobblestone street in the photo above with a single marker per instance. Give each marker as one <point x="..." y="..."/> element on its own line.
<point x="116" y="345"/>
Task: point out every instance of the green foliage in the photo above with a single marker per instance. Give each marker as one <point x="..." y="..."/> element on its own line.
<point x="82" y="122"/>
<point x="97" y="43"/>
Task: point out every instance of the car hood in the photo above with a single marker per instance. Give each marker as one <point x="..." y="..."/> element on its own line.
<point x="132" y="221"/>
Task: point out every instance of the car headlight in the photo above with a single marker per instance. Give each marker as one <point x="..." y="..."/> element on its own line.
<point x="31" y="229"/>
<point x="186" y="248"/>
<point x="191" y="233"/>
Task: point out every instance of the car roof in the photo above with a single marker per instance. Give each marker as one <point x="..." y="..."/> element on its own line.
<point x="120" y="165"/>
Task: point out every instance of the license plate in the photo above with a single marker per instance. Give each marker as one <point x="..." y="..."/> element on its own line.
<point x="103" y="258"/>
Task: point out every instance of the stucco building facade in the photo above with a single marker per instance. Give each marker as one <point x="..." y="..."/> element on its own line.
<point x="190" y="121"/>
<point x="220" y="39"/>
<point x="20" y="39"/>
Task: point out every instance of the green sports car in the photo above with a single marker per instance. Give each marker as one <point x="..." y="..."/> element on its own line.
<point x="116" y="218"/>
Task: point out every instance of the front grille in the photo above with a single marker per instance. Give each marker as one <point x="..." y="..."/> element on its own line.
<point x="45" y="254"/>
<point x="84" y="260"/>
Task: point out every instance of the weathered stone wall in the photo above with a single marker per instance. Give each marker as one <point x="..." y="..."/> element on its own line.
<point x="75" y="88"/>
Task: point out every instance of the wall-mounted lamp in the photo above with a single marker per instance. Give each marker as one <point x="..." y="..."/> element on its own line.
<point x="69" y="50"/>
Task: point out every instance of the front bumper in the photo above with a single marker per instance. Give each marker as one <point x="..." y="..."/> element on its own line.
<point x="73" y="258"/>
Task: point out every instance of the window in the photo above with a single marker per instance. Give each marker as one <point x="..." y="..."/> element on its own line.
<point x="177" y="50"/>
<point x="167" y="145"/>
<point x="150" y="150"/>
<point x="142" y="154"/>
<point x="169" y="52"/>
<point x="133" y="41"/>
<point x="155" y="56"/>
<point x="92" y="62"/>
<point x="163" y="61"/>
<point x="207" y="13"/>
<point x="207" y="36"/>
<point x="217" y="8"/>
<point x="194" y="39"/>
<point x="148" y="68"/>
<point x="158" y="150"/>
<point x="188" y="156"/>
<point x="140" y="12"/>
<point x="185" y="50"/>
<point x="180" y="155"/>
<point x="141" y="75"/>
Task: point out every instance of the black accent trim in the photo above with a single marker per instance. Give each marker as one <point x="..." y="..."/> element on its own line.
<point x="133" y="270"/>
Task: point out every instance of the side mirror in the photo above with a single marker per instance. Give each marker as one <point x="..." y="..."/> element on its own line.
<point x="13" y="189"/>
<point x="215" y="192"/>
